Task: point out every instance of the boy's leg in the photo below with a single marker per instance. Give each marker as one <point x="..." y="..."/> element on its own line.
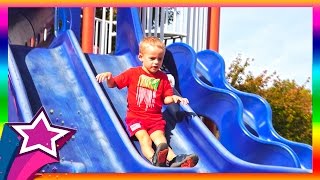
<point x="145" y="144"/>
<point x="163" y="149"/>
<point x="182" y="160"/>
<point x="157" y="158"/>
<point x="158" y="137"/>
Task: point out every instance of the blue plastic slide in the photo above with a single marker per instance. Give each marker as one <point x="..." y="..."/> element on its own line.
<point x="256" y="110"/>
<point x="225" y="109"/>
<point x="128" y="17"/>
<point x="66" y="86"/>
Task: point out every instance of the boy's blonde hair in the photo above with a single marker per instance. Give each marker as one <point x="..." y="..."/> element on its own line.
<point x="151" y="41"/>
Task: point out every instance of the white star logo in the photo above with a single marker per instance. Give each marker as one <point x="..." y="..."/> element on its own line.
<point x="40" y="134"/>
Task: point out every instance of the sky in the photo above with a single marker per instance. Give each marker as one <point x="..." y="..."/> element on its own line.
<point x="278" y="38"/>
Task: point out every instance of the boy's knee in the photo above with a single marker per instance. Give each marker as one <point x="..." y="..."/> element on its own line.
<point x="158" y="137"/>
<point x="157" y="133"/>
<point x="146" y="140"/>
<point x="143" y="138"/>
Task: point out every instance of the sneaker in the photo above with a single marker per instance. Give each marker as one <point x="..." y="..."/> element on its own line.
<point x="160" y="156"/>
<point x="184" y="160"/>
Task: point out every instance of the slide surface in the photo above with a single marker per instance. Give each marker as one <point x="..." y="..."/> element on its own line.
<point x="256" y="110"/>
<point x="65" y="86"/>
<point x="226" y="110"/>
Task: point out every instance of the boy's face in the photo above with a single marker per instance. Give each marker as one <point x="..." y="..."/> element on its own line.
<point x="151" y="58"/>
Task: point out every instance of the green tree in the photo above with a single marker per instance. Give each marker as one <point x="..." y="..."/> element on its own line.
<point x="290" y="102"/>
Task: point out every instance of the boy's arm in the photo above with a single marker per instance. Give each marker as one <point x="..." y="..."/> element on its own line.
<point x="175" y="99"/>
<point x="106" y="76"/>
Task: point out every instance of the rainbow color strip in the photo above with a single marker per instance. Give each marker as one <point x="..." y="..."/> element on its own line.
<point x="315" y="81"/>
<point x="3" y="67"/>
<point x="316" y="88"/>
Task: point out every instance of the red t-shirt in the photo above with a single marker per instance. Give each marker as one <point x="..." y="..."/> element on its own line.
<point x="146" y="92"/>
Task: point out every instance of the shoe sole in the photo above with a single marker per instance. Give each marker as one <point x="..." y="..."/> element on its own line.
<point x="162" y="157"/>
<point x="190" y="161"/>
<point x="162" y="153"/>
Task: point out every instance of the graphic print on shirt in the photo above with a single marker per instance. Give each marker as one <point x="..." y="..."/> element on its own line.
<point x="146" y="90"/>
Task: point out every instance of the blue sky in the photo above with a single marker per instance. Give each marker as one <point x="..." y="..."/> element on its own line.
<point x="278" y="38"/>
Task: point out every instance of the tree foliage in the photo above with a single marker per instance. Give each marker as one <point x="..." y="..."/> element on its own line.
<point x="99" y="13"/>
<point x="290" y="102"/>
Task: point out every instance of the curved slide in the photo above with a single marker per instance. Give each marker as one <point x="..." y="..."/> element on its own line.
<point x="256" y="110"/>
<point x="61" y="78"/>
<point x="225" y="109"/>
<point x="64" y="83"/>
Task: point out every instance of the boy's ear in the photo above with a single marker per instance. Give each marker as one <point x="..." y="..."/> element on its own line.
<point x="140" y="57"/>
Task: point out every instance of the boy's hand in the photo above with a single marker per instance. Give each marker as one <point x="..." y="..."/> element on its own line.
<point x="177" y="99"/>
<point x="104" y="77"/>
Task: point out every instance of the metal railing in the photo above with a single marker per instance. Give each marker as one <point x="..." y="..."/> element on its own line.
<point x="170" y="24"/>
<point x="104" y="33"/>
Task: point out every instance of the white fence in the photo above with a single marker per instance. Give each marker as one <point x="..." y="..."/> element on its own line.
<point x="104" y="32"/>
<point x="177" y="24"/>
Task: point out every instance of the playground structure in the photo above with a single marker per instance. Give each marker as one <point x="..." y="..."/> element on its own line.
<point x="62" y="77"/>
